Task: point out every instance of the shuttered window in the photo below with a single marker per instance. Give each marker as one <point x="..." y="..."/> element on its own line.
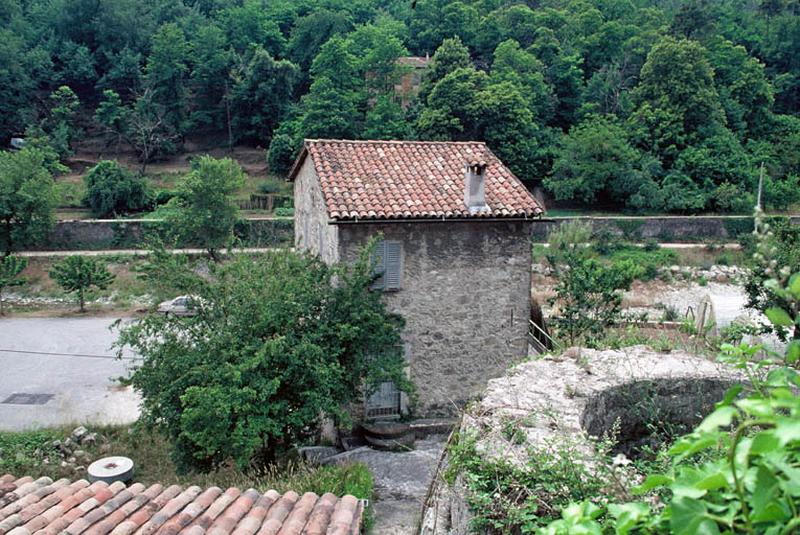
<point x="388" y="265"/>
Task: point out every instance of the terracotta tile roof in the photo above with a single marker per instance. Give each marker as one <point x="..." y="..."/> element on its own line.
<point x="48" y="507"/>
<point x="410" y="180"/>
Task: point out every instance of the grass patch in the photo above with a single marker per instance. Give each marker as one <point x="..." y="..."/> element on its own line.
<point x="648" y="261"/>
<point x="150" y="453"/>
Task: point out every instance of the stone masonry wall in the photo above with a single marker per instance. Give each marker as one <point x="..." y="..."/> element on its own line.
<point x="311" y="229"/>
<point x="465" y="297"/>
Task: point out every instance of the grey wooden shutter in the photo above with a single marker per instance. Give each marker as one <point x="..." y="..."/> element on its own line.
<point x="379" y="266"/>
<point x="392" y="265"/>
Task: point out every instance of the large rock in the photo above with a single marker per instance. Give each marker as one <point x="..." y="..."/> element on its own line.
<point x="568" y="398"/>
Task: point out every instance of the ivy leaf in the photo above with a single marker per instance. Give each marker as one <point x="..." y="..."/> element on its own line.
<point x="793" y="351"/>
<point x="628" y="515"/>
<point x="653" y="481"/>
<point x="722" y="417"/>
<point x="766" y="508"/>
<point x="794" y="285"/>
<point x="690" y="517"/>
<point x="787" y="430"/>
<point x="688" y="446"/>
<point x="779" y="317"/>
<point x="763" y="442"/>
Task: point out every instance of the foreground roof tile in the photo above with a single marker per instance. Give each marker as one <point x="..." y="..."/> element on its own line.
<point x="62" y="507"/>
<point x="410" y="180"/>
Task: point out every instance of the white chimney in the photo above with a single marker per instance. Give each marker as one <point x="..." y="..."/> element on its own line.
<point x="475" y="186"/>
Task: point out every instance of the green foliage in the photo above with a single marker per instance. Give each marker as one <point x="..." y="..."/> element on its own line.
<point x="736" y="471"/>
<point x="10" y="268"/>
<point x="112" y="190"/>
<point x="26" y="198"/>
<point x="204" y="212"/>
<point x="518" y="497"/>
<point x="597" y="163"/>
<point x="60" y="122"/>
<point x="18" y="448"/>
<point x="79" y="274"/>
<point x="646" y="264"/>
<point x="776" y="255"/>
<point x="275" y="345"/>
<point x="706" y="91"/>
<point x="588" y="294"/>
<point x="262" y="95"/>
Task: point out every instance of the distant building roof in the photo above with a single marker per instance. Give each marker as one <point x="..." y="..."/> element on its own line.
<point x="73" y="508"/>
<point x="417" y="62"/>
<point x="388" y="180"/>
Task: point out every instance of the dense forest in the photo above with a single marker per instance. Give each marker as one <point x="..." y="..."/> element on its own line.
<point x="646" y="105"/>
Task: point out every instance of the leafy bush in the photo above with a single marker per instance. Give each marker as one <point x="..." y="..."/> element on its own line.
<point x="275" y="345"/>
<point x="737" y="471"/>
<point x="588" y="298"/>
<point x="514" y="497"/>
<point x="164" y="196"/>
<point x="646" y="263"/>
<point x="203" y="213"/>
<point x="112" y="190"/>
<point x="284" y="211"/>
<point x="270" y="186"/>
<point x="10" y="268"/>
<point x="776" y="254"/>
<point x="80" y="273"/>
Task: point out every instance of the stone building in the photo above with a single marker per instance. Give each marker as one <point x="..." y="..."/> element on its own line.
<point x="455" y="259"/>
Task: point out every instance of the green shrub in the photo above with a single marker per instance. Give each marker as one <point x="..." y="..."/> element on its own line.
<point x="112" y="190"/>
<point x="647" y="263"/>
<point x="284" y="212"/>
<point x="270" y="186"/>
<point x="79" y="274"/>
<point x="273" y="347"/>
<point x="736" y="472"/>
<point x="164" y="196"/>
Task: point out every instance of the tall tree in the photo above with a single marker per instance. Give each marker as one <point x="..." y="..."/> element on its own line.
<point x="678" y="103"/>
<point x="27" y="199"/>
<point x="167" y="72"/>
<point x="205" y="212"/>
<point x="262" y="95"/>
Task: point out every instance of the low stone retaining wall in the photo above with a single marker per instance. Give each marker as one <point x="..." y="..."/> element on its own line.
<point x="101" y="234"/>
<point x="98" y="234"/>
<point x="661" y="228"/>
<point x="569" y="398"/>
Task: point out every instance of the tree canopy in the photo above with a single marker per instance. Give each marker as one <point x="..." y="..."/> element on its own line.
<point x="702" y="92"/>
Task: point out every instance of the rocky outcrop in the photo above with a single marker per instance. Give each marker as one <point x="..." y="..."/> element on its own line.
<point x="572" y="397"/>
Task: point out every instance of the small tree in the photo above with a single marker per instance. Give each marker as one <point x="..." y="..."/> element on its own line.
<point x="79" y="274"/>
<point x="112" y="190"/>
<point x="10" y="269"/>
<point x="274" y="345"/>
<point x="206" y="213"/>
<point x="588" y="294"/>
<point x="27" y="198"/>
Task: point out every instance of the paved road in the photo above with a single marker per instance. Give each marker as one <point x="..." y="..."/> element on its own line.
<point x="82" y="389"/>
<point x="140" y="252"/>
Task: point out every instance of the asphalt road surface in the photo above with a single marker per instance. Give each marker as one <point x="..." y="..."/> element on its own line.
<point x="60" y="387"/>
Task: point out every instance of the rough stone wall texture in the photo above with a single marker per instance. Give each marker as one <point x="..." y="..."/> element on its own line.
<point x="565" y="398"/>
<point x="465" y="297"/>
<point x="664" y="228"/>
<point x="311" y="229"/>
